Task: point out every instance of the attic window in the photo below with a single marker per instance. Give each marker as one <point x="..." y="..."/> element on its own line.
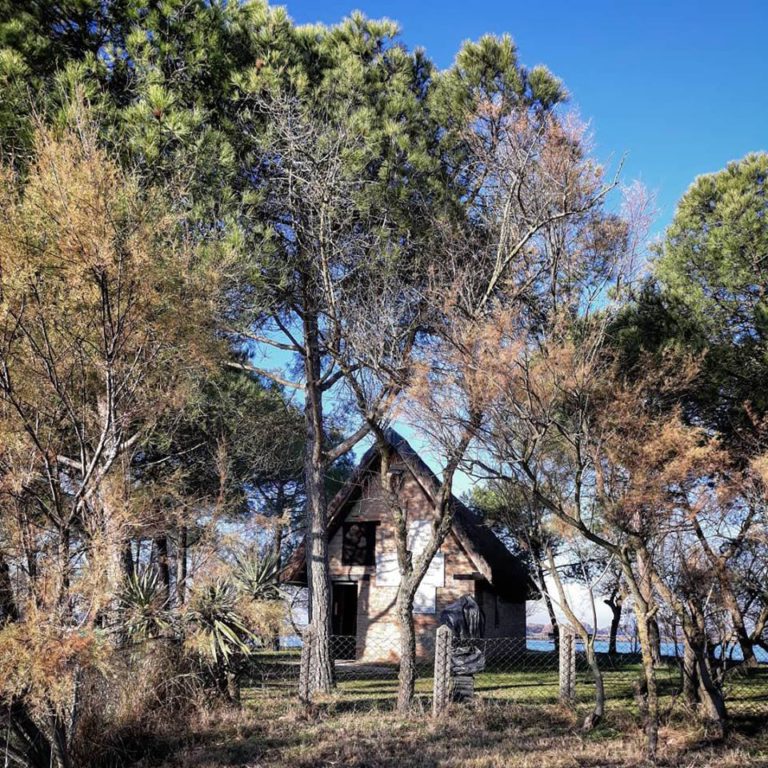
<point x="359" y="544"/>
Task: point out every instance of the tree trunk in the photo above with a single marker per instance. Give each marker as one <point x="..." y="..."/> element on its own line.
<point x="318" y="578"/>
<point x="547" y="599"/>
<point x="128" y="564"/>
<point x="63" y="555"/>
<point x="233" y="687"/>
<point x="277" y="550"/>
<point x="60" y="744"/>
<point x="690" y="677"/>
<point x="598" y="711"/>
<point x="649" y="688"/>
<point x="318" y="572"/>
<point x="648" y="695"/>
<point x="181" y="566"/>
<point x="407" y="676"/>
<point x="614" y="602"/>
<point x="277" y="541"/>
<point x="655" y="637"/>
<point x="710" y="695"/>
<point x="8" y="609"/>
<point x="34" y="743"/>
<point x="161" y="560"/>
<point x="645" y="572"/>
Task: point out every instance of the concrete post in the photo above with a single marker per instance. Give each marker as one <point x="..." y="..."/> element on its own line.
<point x="567" y="665"/>
<point x="442" y="680"/>
<point x="308" y="638"/>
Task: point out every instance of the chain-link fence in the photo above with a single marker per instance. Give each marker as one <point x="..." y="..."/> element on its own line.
<point x="515" y="670"/>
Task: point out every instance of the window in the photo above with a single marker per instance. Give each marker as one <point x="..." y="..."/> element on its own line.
<point x="359" y="544"/>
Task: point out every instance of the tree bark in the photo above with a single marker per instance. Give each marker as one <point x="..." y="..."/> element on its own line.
<point x="690" y="677"/>
<point x="8" y="609"/>
<point x="710" y="695"/>
<point x="181" y="566"/>
<point x="407" y="675"/>
<point x="318" y="575"/>
<point x="614" y="602"/>
<point x="645" y="571"/>
<point x="161" y="560"/>
<point x="691" y="617"/>
<point x="649" y="688"/>
<point x="128" y="564"/>
<point x="547" y="599"/>
<point x="598" y="711"/>
<point x="648" y="695"/>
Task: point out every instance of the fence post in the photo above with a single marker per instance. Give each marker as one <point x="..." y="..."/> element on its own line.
<point x="567" y="665"/>
<point x="305" y="665"/>
<point x="442" y="681"/>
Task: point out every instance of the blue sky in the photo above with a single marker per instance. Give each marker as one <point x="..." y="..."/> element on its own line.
<point x="679" y="87"/>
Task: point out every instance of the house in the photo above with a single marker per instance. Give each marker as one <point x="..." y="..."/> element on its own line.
<point x="364" y="570"/>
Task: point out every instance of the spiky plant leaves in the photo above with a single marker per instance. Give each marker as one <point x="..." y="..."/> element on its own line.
<point x="144" y="606"/>
<point x="220" y="629"/>
<point x="257" y="576"/>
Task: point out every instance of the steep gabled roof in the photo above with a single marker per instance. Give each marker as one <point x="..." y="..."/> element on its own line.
<point x="506" y="572"/>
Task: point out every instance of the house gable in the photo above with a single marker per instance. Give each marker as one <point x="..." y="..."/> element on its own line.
<point x="471" y="551"/>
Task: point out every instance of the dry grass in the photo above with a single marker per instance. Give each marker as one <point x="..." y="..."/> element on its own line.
<point x="270" y="732"/>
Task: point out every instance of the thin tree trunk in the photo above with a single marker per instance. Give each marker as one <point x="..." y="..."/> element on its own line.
<point x="691" y="617"/>
<point x="690" y="677"/>
<point x="710" y="695"/>
<point x="614" y="602"/>
<point x="644" y="569"/>
<point x="128" y="566"/>
<point x="649" y="688"/>
<point x="36" y="744"/>
<point x="648" y="695"/>
<point x="60" y="744"/>
<point x="547" y="599"/>
<point x="161" y="559"/>
<point x="277" y="551"/>
<point x="181" y="566"/>
<point x="407" y="676"/>
<point x="8" y="609"/>
<point x="598" y="711"/>
<point x="277" y="541"/>
<point x="711" y="700"/>
<point x="63" y="558"/>
<point x="318" y="572"/>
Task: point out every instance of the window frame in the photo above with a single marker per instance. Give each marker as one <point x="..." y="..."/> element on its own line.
<point x="370" y="552"/>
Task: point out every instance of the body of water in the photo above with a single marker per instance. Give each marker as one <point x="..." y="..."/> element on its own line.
<point x="624" y="646"/>
<point x="601" y="646"/>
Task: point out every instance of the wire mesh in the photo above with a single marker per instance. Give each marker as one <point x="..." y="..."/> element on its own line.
<point x="516" y="670"/>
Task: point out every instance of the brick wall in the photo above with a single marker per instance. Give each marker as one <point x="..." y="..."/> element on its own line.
<point x="377" y="628"/>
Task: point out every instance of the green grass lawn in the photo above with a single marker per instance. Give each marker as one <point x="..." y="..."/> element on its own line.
<point x="533" y="682"/>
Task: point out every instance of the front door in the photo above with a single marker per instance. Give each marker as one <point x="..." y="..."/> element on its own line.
<point x="344" y="619"/>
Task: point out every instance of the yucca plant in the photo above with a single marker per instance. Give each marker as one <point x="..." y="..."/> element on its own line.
<point x="257" y="576"/>
<point x="220" y="628"/>
<point x="144" y="606"/>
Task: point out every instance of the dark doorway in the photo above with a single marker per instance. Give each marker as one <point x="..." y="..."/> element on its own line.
<point x="344" y="618"/>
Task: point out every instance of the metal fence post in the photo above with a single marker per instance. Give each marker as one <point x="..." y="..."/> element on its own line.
<point x="567" y="665"/>
<point x="305" y="665"/>
<point x="442" y="674"/>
